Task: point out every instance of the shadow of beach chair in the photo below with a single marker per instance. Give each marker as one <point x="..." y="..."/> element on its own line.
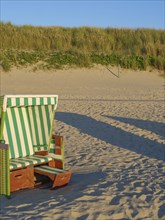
<point x="27" y="146"/>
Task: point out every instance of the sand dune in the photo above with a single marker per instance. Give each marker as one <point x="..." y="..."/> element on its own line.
<point x="114" y="132"/>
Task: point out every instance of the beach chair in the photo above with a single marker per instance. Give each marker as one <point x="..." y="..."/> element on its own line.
<point x="28" y="147"/>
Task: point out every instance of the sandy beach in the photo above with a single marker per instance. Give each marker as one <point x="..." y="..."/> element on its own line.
<point x="114" y="130"/>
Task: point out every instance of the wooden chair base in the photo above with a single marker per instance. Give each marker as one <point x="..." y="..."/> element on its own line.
<point x="22" y="179"/>
<point x="58" y="176"/>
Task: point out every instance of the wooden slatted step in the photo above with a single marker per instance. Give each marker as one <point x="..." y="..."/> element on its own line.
<point x="58" y="176"/>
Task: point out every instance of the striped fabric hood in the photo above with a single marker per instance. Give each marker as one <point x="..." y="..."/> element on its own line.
<point x="27" y="122"/>
<point x="27" y="100"/>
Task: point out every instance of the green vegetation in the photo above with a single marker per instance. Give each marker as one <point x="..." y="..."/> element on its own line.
<point x="56" y="47"/>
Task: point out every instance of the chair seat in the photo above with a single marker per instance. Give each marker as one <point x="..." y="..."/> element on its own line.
<point x="30" y="160"/>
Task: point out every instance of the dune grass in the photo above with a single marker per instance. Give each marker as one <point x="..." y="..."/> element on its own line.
<point x="56" y="47"/>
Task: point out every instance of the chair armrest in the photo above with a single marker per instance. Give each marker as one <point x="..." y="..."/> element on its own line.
<point x="42" y="153"/>
<point x="57" y="150"/>
<point x="58" y="146"/>
<point x="59" y="140"/>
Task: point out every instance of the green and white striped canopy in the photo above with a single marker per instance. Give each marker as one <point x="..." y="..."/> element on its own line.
<point x="27" y="100"/>
<point x="28" y="122"/>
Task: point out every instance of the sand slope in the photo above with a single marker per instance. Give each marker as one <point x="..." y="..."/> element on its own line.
<point x="114" y="144"/>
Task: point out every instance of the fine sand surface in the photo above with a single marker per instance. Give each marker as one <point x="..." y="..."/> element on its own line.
<point x="114" y="143"/>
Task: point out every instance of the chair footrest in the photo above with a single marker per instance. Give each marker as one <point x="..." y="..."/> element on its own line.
<point x="58" y="176"/>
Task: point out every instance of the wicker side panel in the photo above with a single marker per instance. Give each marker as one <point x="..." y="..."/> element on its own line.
<point x="4" y="170"/>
